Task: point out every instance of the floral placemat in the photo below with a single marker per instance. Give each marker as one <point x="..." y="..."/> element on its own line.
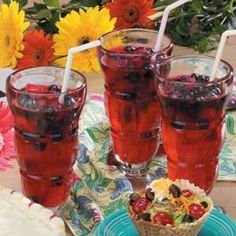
<point x="103" y="189"/>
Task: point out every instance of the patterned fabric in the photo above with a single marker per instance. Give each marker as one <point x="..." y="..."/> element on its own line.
<point x="103" y="189"/>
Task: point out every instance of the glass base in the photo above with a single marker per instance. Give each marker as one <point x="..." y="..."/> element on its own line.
<point x="132" y="169"/>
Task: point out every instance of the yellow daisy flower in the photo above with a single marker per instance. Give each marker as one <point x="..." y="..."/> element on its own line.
<point x="12" y="26"/>
<point x="79" y="28"/>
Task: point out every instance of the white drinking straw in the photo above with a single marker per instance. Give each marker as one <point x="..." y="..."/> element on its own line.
<point x="164" y="19"/>
<point x="219" y="53"/>
<point x="69" y="60"/>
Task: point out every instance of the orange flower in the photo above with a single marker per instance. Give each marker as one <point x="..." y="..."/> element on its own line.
<point x="38" y="50"/>
<point x="131" y="13"/>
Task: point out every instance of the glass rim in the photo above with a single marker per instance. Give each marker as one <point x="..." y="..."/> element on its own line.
<point x="165" y="37"/>
<point x="80" y="75"/>
<point x="225" y="77"/>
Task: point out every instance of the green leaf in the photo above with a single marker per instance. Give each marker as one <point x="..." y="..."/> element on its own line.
<point x="7" y="2"/>
<point x="30" y="11"/>
<point x="85" y="3"/>
<point x="183" y="27"/>
<point x="39" y="6"/>
<point x="52" y="3"/>
<point x="197" y="6"/>
<point x="159" y="3"/>
<point x="44" y="13"/>
<point x="206" y="44"/>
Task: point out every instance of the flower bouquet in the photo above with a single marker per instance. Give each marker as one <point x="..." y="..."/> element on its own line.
<point x="41" y="34"/>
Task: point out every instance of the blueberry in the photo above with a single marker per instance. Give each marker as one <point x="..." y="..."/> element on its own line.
<point x="149" y="194"/>
<point x="68" y="100"/>
<point x="56" y="181"/>
<point x="212" y="135"/>
<point x="159" y="59"/>
<point x="73" y="132"/>
<point x="30" y="136"/>
<point x="38" y="146"/>
<point x="149" y="71"/>
<point x="194" y="76"/>
<point x="133" y="77"/>
<point x="130" y="49"/>
<point x="148" y="66"/>
<point x="188" y="218"/>
<point x="27" y="102"/>
<point x="182" y="78"/>
<point x="202" y="78"/>
<point x="178" y="124"/>
<point x="128" y="114"/>
<point x="175" y="190"/>
<point x="57" y="137"/>
<point x="194" y="93"/>
<point x="203" y="124"/>
<point x="54" y="88"/>
<point x="153" y="95"/>
<point x="215" y="89"/>
<point x="129" y="96"/>
<point x="51" y="112"/>
<point x="150" y="50"/>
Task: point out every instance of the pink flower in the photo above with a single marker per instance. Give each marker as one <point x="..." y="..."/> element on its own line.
<point x="7" y="149"/>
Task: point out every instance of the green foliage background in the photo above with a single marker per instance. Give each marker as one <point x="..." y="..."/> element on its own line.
<point x="197" y="24"/>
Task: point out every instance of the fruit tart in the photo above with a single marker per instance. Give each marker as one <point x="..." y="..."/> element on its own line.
<point x="168" y="207"/>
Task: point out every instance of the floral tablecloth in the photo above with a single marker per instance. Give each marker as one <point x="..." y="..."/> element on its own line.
<point x="103" y="189"/>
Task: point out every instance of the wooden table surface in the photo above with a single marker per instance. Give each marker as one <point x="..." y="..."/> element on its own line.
<point x="223" y="193"/>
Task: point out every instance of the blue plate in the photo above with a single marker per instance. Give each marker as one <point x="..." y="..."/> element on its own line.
<point x="119" y="224"/>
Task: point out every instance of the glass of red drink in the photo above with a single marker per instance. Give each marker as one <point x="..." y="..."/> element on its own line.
<point x="193" y="111"/>
<point x="129" y="61"/>
<point x="46" y="130"/>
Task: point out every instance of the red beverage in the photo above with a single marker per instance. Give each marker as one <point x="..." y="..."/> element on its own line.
<point x="131" y="101"/>
<point x="46" y="136"/>
<point x="193" y="124"/>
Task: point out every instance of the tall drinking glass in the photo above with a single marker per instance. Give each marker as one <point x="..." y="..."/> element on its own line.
<point x="193" y="112"/>
<point x="132" y="106"/>
<point x="46" y="130"/>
